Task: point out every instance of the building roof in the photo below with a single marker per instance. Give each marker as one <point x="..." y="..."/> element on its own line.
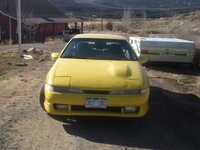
<point x="7" y="15"/>
<point x="35" y="11"/>
<point x="31" y="21"/>
<point x="101" y="36"/>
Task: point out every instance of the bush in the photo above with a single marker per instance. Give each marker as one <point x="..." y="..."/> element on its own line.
<point x="109" y="26"/>
<point x="121" y="27"/>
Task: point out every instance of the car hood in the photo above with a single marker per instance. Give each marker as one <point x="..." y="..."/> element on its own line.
<point x="98" y="74"/>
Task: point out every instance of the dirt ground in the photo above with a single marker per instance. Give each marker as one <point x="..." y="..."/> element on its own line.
<point x="172" y="122"/>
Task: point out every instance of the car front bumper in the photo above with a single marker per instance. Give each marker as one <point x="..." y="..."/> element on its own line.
<point x="115" y="104"/>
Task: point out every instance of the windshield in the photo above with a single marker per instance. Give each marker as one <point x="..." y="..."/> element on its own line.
<point x="99" y="49"/>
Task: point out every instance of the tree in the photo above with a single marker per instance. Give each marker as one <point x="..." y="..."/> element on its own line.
<point x="126" y="19"/>
<point x="109" y="26"/>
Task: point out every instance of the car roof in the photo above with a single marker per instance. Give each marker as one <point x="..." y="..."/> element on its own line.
<point x="100" y="36"/>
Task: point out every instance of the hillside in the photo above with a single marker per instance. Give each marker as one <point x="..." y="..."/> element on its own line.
<point x="74" y="7"/>
<point x="34" y="8"/>
<point x="114" y="8"/>
<point x="144" y="3"/>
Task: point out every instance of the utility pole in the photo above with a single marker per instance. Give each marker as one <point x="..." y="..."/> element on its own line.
<point x="102" y="19"/>
<point x="144" y="20"/>
<point x="10" y="31"/>
<point x="19" y="25"/>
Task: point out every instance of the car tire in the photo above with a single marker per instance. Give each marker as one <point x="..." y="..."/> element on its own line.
<point x="196" y="61"/>
<point x="42" y="97"/>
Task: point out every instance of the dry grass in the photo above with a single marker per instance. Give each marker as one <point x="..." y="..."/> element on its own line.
<point x="186" y="26"/>
<point x="8" y="66"/>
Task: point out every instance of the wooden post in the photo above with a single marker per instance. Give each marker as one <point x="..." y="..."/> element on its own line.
<point x="66" y="26"/>
<point x="75" y="25"/>
<point x="29" y="33"/>
<point x="10" y="31"/>
<point x="81" y="27"/>
<point x="53" y="30"/>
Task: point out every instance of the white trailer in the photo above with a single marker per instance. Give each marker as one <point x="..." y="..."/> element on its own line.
<point x="164" y="49"/>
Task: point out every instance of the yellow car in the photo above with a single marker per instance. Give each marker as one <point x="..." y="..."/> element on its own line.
<point x="96" y="75"/>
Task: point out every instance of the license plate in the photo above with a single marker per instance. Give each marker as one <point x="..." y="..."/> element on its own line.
<point x="100" y="103"/>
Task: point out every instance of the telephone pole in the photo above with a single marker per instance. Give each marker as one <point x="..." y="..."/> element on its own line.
<point x="144" y="20"/>
<point x="102" y="19"/>
<point x="19" y="25"/>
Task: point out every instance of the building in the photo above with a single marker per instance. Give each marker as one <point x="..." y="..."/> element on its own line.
<point x="8" y="25"/>
<point x="39" y="20"/>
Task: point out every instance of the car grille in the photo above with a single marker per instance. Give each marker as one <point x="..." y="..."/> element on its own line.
<point x="108" y="109"/>
<point x="95" y="92"/>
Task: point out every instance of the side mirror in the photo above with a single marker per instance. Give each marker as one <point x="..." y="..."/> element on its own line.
<point x="54" y="56"/>
<point x="143" y="59"/>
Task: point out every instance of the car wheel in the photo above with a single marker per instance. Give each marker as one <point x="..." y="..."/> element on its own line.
<point x="42" y="97"/>
<point x="196" y="61"/>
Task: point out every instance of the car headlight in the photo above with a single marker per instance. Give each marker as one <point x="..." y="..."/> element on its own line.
<point x="143" y="91"/>
<point x="62" y="89"/>
<point x="49" y="87"/>
<point x="131" y="92"/>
